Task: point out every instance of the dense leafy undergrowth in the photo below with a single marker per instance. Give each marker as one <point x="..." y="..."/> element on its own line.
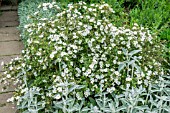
<point x="84" y="58"/>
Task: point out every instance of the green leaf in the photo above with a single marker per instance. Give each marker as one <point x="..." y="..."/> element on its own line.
<point x="85" y="109"/>
<point x="122" y="108"/>
<point x="144" y="107"/>
<point x="76" y="87"/>
<point x="134" y="52"/>
<point x="98" y="101"/>
<point x="125" y="51"/>
<point x="131" y="62"/>
<point x="93" y="102"/>
<point x="121" y="66"/>
<point x="137" y="67"/>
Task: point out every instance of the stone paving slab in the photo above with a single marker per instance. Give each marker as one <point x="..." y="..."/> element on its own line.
<point x="8" y="89"/>
<point x="8" y="18"/>
<point x="6" y="59"/>
<point x="9" y="8"/>
<point x="11" y="48"/>
<point x="9" y="24"/>
<point x="9" y="13"/>
<point x="9" y="37"/>
<point x="4" y="97"/>
<point x="9" y="30"/>
<point x="9" y="108"/>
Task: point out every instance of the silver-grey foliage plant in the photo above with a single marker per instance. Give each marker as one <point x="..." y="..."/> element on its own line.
<point x="155" y="99"/>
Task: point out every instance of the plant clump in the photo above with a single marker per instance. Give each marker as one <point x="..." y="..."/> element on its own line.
<point x="80" y="46"/>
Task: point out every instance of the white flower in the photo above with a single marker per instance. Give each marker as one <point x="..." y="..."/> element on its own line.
<point x="85" y="33"/>
<point x="78" y="70"/>
<point x="90" y="9"/>
<point x="113" y="44"/>
<point x="38" y="53"/>
<point x="83" y="68"/>
<point x="88" y="17"/>
<point x="44" y="67"/>
<point x="45" y="8"/>
<point x="36" y="13"/>
<point x="52" y="30"/>
<point x="29" y="41"/>
<point x="88" y="71"/>
<point x="149" y="72"/>
<point x="146" y="82"/>
<point x="89" y="27"/>
<point x="87" y="93"/>
<point x="139" y="82"/>
<point x="80" y="23"/>
<point x="92" y="20"/>
<point x="5" y="72"/>
<point x="35" y="74"/>
<point x="52" y="54"/>
<point x="50" y="6"/>
<point x="135" y="24"/>
<point x="119" y="52"/>
<point x="107" y="65"/>
<point x="41" y="36"/>
<point x="128" y="79"/>
<point x="44" y="81"/>
<point x="63" y="54"/>
<point x="10" y="99"/>
<point x="85" y="7"/>
<point x="71" y="63"/>
<point x="8" y="76"/>
<point x="117" y="73"/>
<point x="109" y="90"/>
<point x="26" y="26"/>
<point x="24" y="90"/>
<point x="23" y="64"/>
<point x="148" y="77"/>
<point x="59" y="89"/>
<point x="17" y="58"/>
<point x="78" y="96"/>
<point x="2" y="63"/>
<point x="58" y="96"/>
<point x="102" y="11"/>
<point x="10" y="68"/>
<point x="101" y="64"/>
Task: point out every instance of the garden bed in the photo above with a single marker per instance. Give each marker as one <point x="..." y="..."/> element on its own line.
<point x="89" y="58"/>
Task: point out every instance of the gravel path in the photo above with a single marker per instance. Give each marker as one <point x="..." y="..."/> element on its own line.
<point x="10" y="47"/>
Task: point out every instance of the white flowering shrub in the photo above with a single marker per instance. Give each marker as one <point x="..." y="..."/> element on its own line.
<point x="78" y="53"/>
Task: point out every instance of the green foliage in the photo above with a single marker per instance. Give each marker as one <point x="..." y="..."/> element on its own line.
<point x="154" y="14"/>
